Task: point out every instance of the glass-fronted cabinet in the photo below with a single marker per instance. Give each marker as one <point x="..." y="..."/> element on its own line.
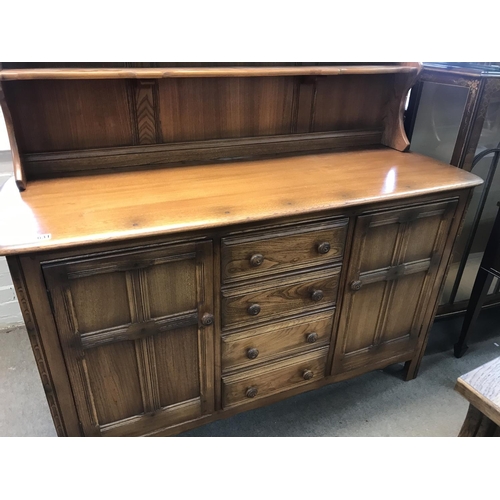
<point x="453" y="115"/>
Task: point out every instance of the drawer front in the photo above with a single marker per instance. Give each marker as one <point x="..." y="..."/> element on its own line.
<point x="303" y="334"/>
<point x="274" y="251"/>
<point x="274" y="378"/>
<point x="278" y="298"/>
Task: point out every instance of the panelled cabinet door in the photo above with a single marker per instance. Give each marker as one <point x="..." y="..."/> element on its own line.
<point x="394" y="260"/>
<point x="136" y="330"/>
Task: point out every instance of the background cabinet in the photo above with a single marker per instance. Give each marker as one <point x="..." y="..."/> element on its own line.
<point x="453" y="115"/>
<point x="136" y="330"/>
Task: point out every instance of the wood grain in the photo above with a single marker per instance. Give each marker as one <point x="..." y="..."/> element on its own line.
<point x="114" y="207"/>
<point x="350" y="102"/>
<point x="481" y="387"/>
<point x="394" y="133"/>
<point x="106" y="160"/>
<point x="118" y="381"/>
<point x="282" y="249"/>
<point x="273" y="378"/>
<point x="276" y="340"/>
<point x="145" y="111"/>
<point x="65" y="120"/>
<point x="164" y="298"/>
<point x="279" y="297"/>
<point x="394" y="261"/>
<point x="113" y="73"/>
<point x="39" y="352"/>
<point x="194" y="109"/>
<point x="65" y="115"/>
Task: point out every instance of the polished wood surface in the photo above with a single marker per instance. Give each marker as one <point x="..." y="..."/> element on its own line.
<point x="481" y="387"/>
<point x="116" y="73"/>
<point x="59" y="213"/>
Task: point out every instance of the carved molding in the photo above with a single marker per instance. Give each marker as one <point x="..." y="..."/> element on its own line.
<point x="37" y="347"/>
<point x="144" y="348"/>
<point x="146" y="111"/>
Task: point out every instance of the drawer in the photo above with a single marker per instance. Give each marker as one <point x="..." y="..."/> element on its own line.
<point x="281" y="297"/>
<point x="273" y="378"/>
<point x="245" y="349"/>
<point x="278" y="250"/>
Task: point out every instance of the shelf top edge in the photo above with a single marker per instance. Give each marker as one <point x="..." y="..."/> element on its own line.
<point x="159" y="73"/>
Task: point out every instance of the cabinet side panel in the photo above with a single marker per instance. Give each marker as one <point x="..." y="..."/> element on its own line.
<point x="39" y="351"/>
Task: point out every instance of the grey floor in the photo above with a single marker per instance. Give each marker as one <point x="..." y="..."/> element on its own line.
<point x="376" y="404"/>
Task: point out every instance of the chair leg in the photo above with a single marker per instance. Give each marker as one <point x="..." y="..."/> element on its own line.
<point x="477" y="298"/>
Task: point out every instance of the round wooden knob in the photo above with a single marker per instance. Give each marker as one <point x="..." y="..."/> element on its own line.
<point x="324" y="247"/>
<point x="356" y="285"/>
<point x="307" y="375"/>
<point x="207" y="319"/>
<point x="256" y="260"/>
<point x="253" y="310"/>
<point x="251" y="392"/>
<point x="312" y="337"/>
<point x="317" y="295"/>
<point x="252" y="353"/>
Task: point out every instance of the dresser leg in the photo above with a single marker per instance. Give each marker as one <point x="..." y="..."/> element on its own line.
<point x="413" y="365"/>
<point x="411" y="370"/>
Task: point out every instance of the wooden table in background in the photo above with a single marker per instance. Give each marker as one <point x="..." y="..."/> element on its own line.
<point x="481" y="387"/>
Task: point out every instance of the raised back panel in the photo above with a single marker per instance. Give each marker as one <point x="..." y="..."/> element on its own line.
<point x="63" y="115"/>
<point x="351" y="102"/>
<point x="194" y="109"/>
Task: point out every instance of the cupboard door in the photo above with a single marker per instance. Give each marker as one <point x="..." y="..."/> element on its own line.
<point x="136" y="330"/>
<point x="394" y="260"/>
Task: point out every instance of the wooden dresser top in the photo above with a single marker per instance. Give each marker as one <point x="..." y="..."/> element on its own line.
<point x="64" y="212"/>
<point x="481" y="387"/>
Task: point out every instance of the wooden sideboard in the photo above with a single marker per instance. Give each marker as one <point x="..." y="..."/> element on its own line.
<point x="189" y="243"/>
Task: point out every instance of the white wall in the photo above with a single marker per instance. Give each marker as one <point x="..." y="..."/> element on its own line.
<point x="4" y="140"/>
<point x="10" y="314"/>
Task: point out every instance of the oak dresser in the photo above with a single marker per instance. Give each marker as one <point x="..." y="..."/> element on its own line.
<point x="188" y="242"/>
